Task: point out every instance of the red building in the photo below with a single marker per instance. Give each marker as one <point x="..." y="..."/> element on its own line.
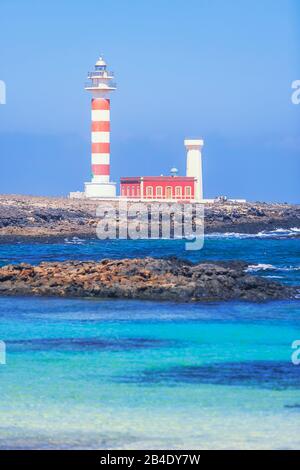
<point x="179" y="188"/>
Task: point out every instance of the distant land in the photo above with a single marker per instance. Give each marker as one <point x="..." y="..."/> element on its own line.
<point x="37" y="217"/>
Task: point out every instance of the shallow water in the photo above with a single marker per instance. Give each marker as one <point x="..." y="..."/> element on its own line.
<point x="132" y="374"/>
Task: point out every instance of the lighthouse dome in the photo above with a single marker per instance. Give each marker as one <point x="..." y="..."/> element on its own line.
<point x="174" y="171"/>
<point x="100" y="62"/>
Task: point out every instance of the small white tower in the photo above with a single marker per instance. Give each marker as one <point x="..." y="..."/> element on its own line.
<point x="100" y="85"/>
<point x="194" y="164"/>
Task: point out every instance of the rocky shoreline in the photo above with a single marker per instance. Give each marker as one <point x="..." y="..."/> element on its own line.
<point x="147" y="279"/>
<point x="28" y="217"/>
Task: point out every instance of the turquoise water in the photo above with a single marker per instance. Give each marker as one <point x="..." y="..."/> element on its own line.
<point x="131" y="374"/>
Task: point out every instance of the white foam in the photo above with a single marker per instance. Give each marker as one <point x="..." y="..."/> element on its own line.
<point x="270" y="267"/>
<point x="276" y="233"/>
<point x="74" y="241"/>
<point x="274" y="277"/>
<point x="260" y="267"/>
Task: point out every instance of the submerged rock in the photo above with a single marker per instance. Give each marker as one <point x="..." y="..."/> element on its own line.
<point x="147" y="278"/>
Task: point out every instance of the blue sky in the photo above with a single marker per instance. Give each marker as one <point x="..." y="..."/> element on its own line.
<point x="217" y="70"/>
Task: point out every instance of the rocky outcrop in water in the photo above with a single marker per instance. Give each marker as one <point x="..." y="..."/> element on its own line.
<point x="148" y="278"/>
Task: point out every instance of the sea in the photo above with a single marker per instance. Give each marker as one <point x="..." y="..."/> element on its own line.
<point x="124" y="374"/>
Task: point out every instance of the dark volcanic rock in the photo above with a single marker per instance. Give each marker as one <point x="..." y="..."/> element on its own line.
<point x="28" y="216"/>
<point x="148" y="278"/>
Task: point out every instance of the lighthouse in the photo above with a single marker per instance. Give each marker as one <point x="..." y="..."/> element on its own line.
<point x="100" y="85"/>
<point x="194" y="164"/>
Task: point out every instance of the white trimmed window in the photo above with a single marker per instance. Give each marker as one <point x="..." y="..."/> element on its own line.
<point x="159" y="191"/>
<point x="169" y="192"/>
<point x="149" y="191"/>
<point x="188" y="191"/>
<point x="178" y="191"/>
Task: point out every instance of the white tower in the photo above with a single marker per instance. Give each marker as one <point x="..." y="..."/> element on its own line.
<point x="100" y="85"/>
<point x="194" y="164"/>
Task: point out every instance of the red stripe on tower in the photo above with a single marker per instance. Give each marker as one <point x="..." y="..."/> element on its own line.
<point x="101" y="148"/>
<point x="100" y="170"/>
<point x="100" y="103"/>
<point x="98" y="126"/>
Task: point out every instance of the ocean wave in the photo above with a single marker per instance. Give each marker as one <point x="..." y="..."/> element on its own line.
<point x="274" y="277"/>
<point x="74" y="241"/>
<point x="270" y="267"/>
<point x="277" y="233"/>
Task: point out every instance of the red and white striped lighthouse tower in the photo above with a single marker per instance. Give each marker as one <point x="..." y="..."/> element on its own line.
<point x="100" y="85"/>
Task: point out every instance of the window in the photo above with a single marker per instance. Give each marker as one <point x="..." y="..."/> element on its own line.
<point x="128" y="190"/>
<point x="132" y="191"/>
<point x="188" y="191"/>
<point x="159" y="191"/>
<point x="149" y="191"/>
<point x="123" y="191"/>
<point x="168" y="192"/>
<point x="178" y="191"/>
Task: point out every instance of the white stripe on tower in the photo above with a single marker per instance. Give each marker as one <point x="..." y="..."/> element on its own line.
<point x="102" y="115"/>
<point x="100" y="158"/>
<point x="101" y="139"/>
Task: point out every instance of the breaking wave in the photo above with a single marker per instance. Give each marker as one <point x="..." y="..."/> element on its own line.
<point x="253" y="268"/>
<point x="277" y="233"/>
<point x="74" y="241"/>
